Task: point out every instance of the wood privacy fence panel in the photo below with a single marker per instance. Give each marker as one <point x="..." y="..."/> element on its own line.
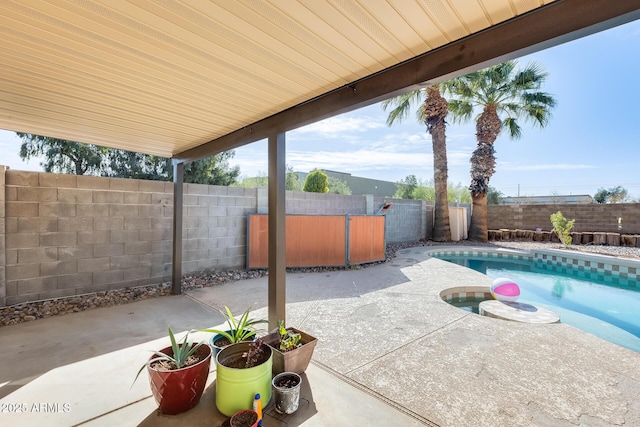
<point x="310" y="241"/>
<point x="366" y="239"/>
<point x="319" y="240"/>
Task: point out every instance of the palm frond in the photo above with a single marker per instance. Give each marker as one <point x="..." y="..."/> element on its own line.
<point x="537" y="115"/>
<point x="513" y="92"/>
<point x="512" y="109"/>
<point x="461" y="111"/>
<point x="511" y="124"/>
<point x="402" y="105"/>
<point x="530" y="78"/>
<point x="462" y="87"/>
<point x="537" y="107"/>
<point x="542" y="98"/>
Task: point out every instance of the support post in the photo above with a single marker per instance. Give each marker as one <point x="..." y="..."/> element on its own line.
<point x="178" y="205"/>
<point x="3" y="238"/>
<point x="277" y="223"/>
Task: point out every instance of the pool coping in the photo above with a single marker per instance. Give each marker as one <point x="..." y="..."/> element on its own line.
<point x="605" y="266"/>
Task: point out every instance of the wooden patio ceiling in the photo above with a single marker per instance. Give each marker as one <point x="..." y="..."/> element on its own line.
<point x="165" y="78"/>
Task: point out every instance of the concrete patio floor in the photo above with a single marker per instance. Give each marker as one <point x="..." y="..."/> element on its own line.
<point x="390" y="352"/>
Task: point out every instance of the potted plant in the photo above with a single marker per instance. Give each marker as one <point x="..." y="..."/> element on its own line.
<point x="239" y="330"/>
<point x="244" y="418"/>
<point x="243" y="370"/>
<point x="286" y="392"/>
<point x="178" y="374"/>
<point x="292" y="349"/>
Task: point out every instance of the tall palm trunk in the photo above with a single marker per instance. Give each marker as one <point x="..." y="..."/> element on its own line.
<point x="435" y="111"/>
<point x="478" y="228"/>
<point x="441" y="226"/>
<point x="483" y="163"/>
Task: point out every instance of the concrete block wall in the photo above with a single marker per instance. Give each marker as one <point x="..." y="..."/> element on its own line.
<point x="214" y="229"/>
<point x="325" y="204"/>
<point x="300" y="202"/>
<point x="406" y="220"/>
<point x="69" y="235"/>
<point x="589" y="217"/>
<point x="64" y="235"/>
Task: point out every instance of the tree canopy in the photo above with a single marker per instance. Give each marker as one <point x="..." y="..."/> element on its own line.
<point x="61" y="156"/>
<point x="338" y="186"/>
<point x="617" y="194"/>
<point x="316" y="182"/>
<point x="292" y="183"/>
<point x="432" y="111"/>
<point x="494" y="196"/>
<point x="505" y="96"/>
<point x="419" y="189"/>
<point x="406" y="187"/>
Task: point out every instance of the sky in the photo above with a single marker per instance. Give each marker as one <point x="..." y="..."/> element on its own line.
<point x="592" y="140"/>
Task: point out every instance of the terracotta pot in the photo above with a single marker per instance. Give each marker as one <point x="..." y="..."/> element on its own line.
<point x="239" y="418"/>
<point x="180" y="390"/>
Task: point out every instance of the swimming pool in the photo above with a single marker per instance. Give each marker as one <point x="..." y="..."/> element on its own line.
<point x="602" y="304"/>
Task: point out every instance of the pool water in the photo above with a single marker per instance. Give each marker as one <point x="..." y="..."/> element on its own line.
<point x="608" y="311"/>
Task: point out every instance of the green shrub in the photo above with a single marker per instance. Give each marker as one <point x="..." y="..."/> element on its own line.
<point x="562" y="228"/>
<point x="316" y="182"/>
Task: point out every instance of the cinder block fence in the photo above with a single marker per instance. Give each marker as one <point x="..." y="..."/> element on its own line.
<point x="592" y="217"/>
<point x="64" y="235"/>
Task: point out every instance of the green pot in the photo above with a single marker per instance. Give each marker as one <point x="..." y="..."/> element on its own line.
<point x="236" y="387"/>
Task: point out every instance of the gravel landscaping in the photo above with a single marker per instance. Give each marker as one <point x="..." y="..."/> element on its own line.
<point x="55" y="307"/>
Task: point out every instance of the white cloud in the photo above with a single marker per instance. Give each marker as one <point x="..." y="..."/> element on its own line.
<point x="9" y="153"/>
<point x="388" y="156"/>
<point x="360" y="160"/>
<point x="458" y="158"/>
<point x="335" y="127"/>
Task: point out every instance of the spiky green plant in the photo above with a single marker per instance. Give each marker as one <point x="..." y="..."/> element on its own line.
<point x="180" y="353"/>
<point x="243" y="329"/>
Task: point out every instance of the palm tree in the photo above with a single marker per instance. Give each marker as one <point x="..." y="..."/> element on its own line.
<point x="432" y="112"/>
<point x="505" y="95"/>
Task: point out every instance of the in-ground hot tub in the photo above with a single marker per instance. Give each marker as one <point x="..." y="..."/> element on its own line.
<point x="478" y="300"/>
<point x="467" y="298"/>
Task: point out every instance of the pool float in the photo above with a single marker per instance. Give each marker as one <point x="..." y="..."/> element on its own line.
<point x="504" y="289"/>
